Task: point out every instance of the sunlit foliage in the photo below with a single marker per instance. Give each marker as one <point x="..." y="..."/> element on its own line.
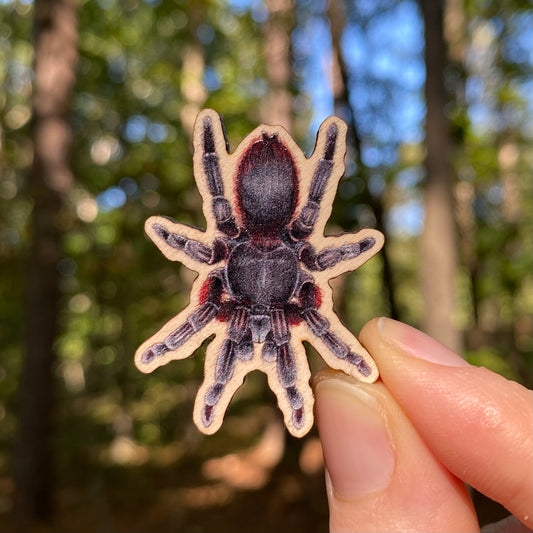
<point x="146" y="68"/>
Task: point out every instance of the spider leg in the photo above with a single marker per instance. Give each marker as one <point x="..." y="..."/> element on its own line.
<point x="286" y="366"/>
<point x="270" y="349"/>
<point x="197" y="320"/>
<point x="239" y="332"/>
<point x="320" y="327"/>
<point x="237" y="345"/>
<point x="329" y="257"/>
<point x="223" y="373"/>
<point x="210" y="161"/>
<point x="304" y="223"/>
<point x="195" y="249"/>
<point x="245" y="348"/>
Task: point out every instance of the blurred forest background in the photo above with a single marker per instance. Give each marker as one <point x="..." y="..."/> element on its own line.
<point x="97" y="103"/>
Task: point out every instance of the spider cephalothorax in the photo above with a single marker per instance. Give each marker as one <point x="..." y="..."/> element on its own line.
<point x="264" y="266"/>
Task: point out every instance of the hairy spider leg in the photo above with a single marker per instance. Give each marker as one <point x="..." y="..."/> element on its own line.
<point x="285" y="364"/>
<point x="220" y="204"/>
<point x="196" y="321"/>
<point x="320" y="327"/>
<point x="237" y="345"/>
<point x="330" y="257"/>
<point x="270" y="349"/>
<point x="195" y="249"/>
<point x="304" y="223"/>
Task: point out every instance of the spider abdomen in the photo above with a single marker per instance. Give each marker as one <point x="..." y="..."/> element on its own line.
<point x="267" y="186"/>
<point x="262" y="277"/>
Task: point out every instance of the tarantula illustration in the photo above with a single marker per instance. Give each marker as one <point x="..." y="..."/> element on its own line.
<point x="264" y="266"/>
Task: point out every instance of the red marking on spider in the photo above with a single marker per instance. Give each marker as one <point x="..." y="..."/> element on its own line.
<point x="261" y="266"/>
<point x="205" y="290"/>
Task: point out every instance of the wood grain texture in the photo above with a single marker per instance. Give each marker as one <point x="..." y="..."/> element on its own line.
<point x="165" y="338"/>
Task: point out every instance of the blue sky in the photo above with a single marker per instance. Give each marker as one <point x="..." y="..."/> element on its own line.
<point x="387" y="74"/>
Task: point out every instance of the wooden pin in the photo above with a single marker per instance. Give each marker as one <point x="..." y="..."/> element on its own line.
<point x="263" y="266"/>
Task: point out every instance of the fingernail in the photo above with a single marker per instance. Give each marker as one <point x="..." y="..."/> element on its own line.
<point x="417" y="344"/>
<point x="357" y="449"/>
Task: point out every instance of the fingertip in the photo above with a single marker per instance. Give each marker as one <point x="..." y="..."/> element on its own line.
<point x="476" y="422"/>
<point x="369" y="330"/>
<point x="352" y="424"/>
<point x="380" y="475"/>
<point x="400" y="338"/>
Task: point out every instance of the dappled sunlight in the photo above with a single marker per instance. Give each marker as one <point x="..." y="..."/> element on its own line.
<point x="124" y="451"/>
<point x="204" y="496"/>
<point x="250" y="468"/>
<point x="167" y="455"/>
<point x="311" y="460"/>
<point x="126" y="454"/>
<point x="73" y="375"/>
<point x="87" y="209"/>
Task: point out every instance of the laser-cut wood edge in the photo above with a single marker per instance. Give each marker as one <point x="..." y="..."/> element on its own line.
<point x="299" y="333"/>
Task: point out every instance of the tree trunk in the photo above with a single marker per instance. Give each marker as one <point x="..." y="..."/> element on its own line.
<point x="438" y="241"/>
<point x="192" y="85"/>
<point x="277" y="105"/>
<point x="455" y="33"/>
<point x="55" y="42"/>
<point x="343" y="109"/>
<point x="508" y="156"/>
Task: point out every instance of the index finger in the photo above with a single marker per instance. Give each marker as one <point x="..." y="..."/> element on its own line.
<point x="477" y="423"/>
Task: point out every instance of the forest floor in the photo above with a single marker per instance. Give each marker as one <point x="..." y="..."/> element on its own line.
<point x="275" y="485"/>
<point x="147" y="499"/>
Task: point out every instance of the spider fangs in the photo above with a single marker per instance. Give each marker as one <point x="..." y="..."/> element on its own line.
<point x="264" y="264"/>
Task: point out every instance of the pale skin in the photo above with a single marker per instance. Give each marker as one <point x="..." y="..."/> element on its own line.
<point x="399" y="452"/>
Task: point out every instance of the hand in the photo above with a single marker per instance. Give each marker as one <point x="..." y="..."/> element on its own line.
<point x="399" y="451"/>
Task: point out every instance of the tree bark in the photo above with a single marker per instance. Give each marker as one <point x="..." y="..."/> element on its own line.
<point x="343" y="109"/>
<point x="277" y="106"/>
<point x="55" y="58"/>
<point x="192" y="85"/>
<point x="438" y="241"/>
